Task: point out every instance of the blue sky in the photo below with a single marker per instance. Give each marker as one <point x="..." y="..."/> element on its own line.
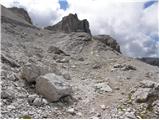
<point x="63" y="4"/>
<point x="133" y="24"/>
<point x="147" y="4"/>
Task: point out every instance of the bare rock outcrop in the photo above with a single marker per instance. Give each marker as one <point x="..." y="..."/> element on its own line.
<point x="22" y="13"/>
<point x="16" y="16"/>
<point x="71" y="23"/>
<point x="147" y="92"/>
<point x="106" y="39"/>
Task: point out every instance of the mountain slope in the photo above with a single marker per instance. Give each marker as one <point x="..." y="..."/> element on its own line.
<point x="104" y="81"/>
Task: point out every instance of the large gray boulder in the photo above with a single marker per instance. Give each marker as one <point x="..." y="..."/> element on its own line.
<point x="52" y="87"/>
<point x="71" y="23"/>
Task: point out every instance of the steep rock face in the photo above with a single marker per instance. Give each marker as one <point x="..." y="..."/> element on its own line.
<point x="22" y="13"/>
<point x="71" y="23"/>
<point x="15" y="16"/>
<point x="109" y="41"/>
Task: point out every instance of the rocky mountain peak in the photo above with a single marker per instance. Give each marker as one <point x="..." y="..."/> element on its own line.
<point x="71" y="23"/>
<point x="22" y="13"/>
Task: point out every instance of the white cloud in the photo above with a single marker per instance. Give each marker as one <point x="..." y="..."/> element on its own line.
<point x="42" y="12"/>
<point x="128" y="22"/>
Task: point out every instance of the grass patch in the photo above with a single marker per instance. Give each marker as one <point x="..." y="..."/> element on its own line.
<point x="26" y="117"/>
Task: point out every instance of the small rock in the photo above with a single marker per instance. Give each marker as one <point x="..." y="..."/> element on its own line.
<point x="81" y="59"/>
<point x="64" y="60"/>
<point x="147" y="84"/>
<point x="130" y="115"/>
<point x="117" y="88"/>
<point x="148" y="74"/>
<point x="67" y="76"/>
<point x="128" y="110"/>
<point x="103" y="107"/>
<point x="37" y="102"/>
<point x="83" y="78"/>
<point x="128" y="67"/>
<point x="103" y="87"/>
<point x="112" y="70"/>
<point x="3" y="73"/>
<point x="96" y="66"/>
<point x="31" y="98"/>
<point x="11" y="107"/>
<point x="7" y="94"/>
<point x="44" y="101"/>
<point x="71" y="110"/>
<point x="12" y="77"/>
<point x="92" y="111"/>
<point x="124" y="67"/>
<point x="128" y="78"/>
<point x="79" y="113"/>
<point x="98" y="115"/>
<point x="117" y="66"/>
<point x="67" y="99"/>
<point x="73" y="66"/>
<point x="39" y="34"/>
<point x="94" y="117"/>
<point x="55" y="50"/>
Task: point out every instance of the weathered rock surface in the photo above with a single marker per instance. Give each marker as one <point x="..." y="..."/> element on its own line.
<point x="71" y="23"/>
<point x="103" y="87"/>
<point x="21" y="12"/>
<point x="9" y="61"/>
<point x="31" y="71"/>
<point x="142" y="94"/>
<point x="56" y="50"/>
<point x="148" y="84"/>
<point x="15" y="17"/>
<point x="148" y="90"/>
<point x="52" y="87"/>
<point x="8" y="94"/>
<point x="124" y="67"/>
<point x="107" y="40"/>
